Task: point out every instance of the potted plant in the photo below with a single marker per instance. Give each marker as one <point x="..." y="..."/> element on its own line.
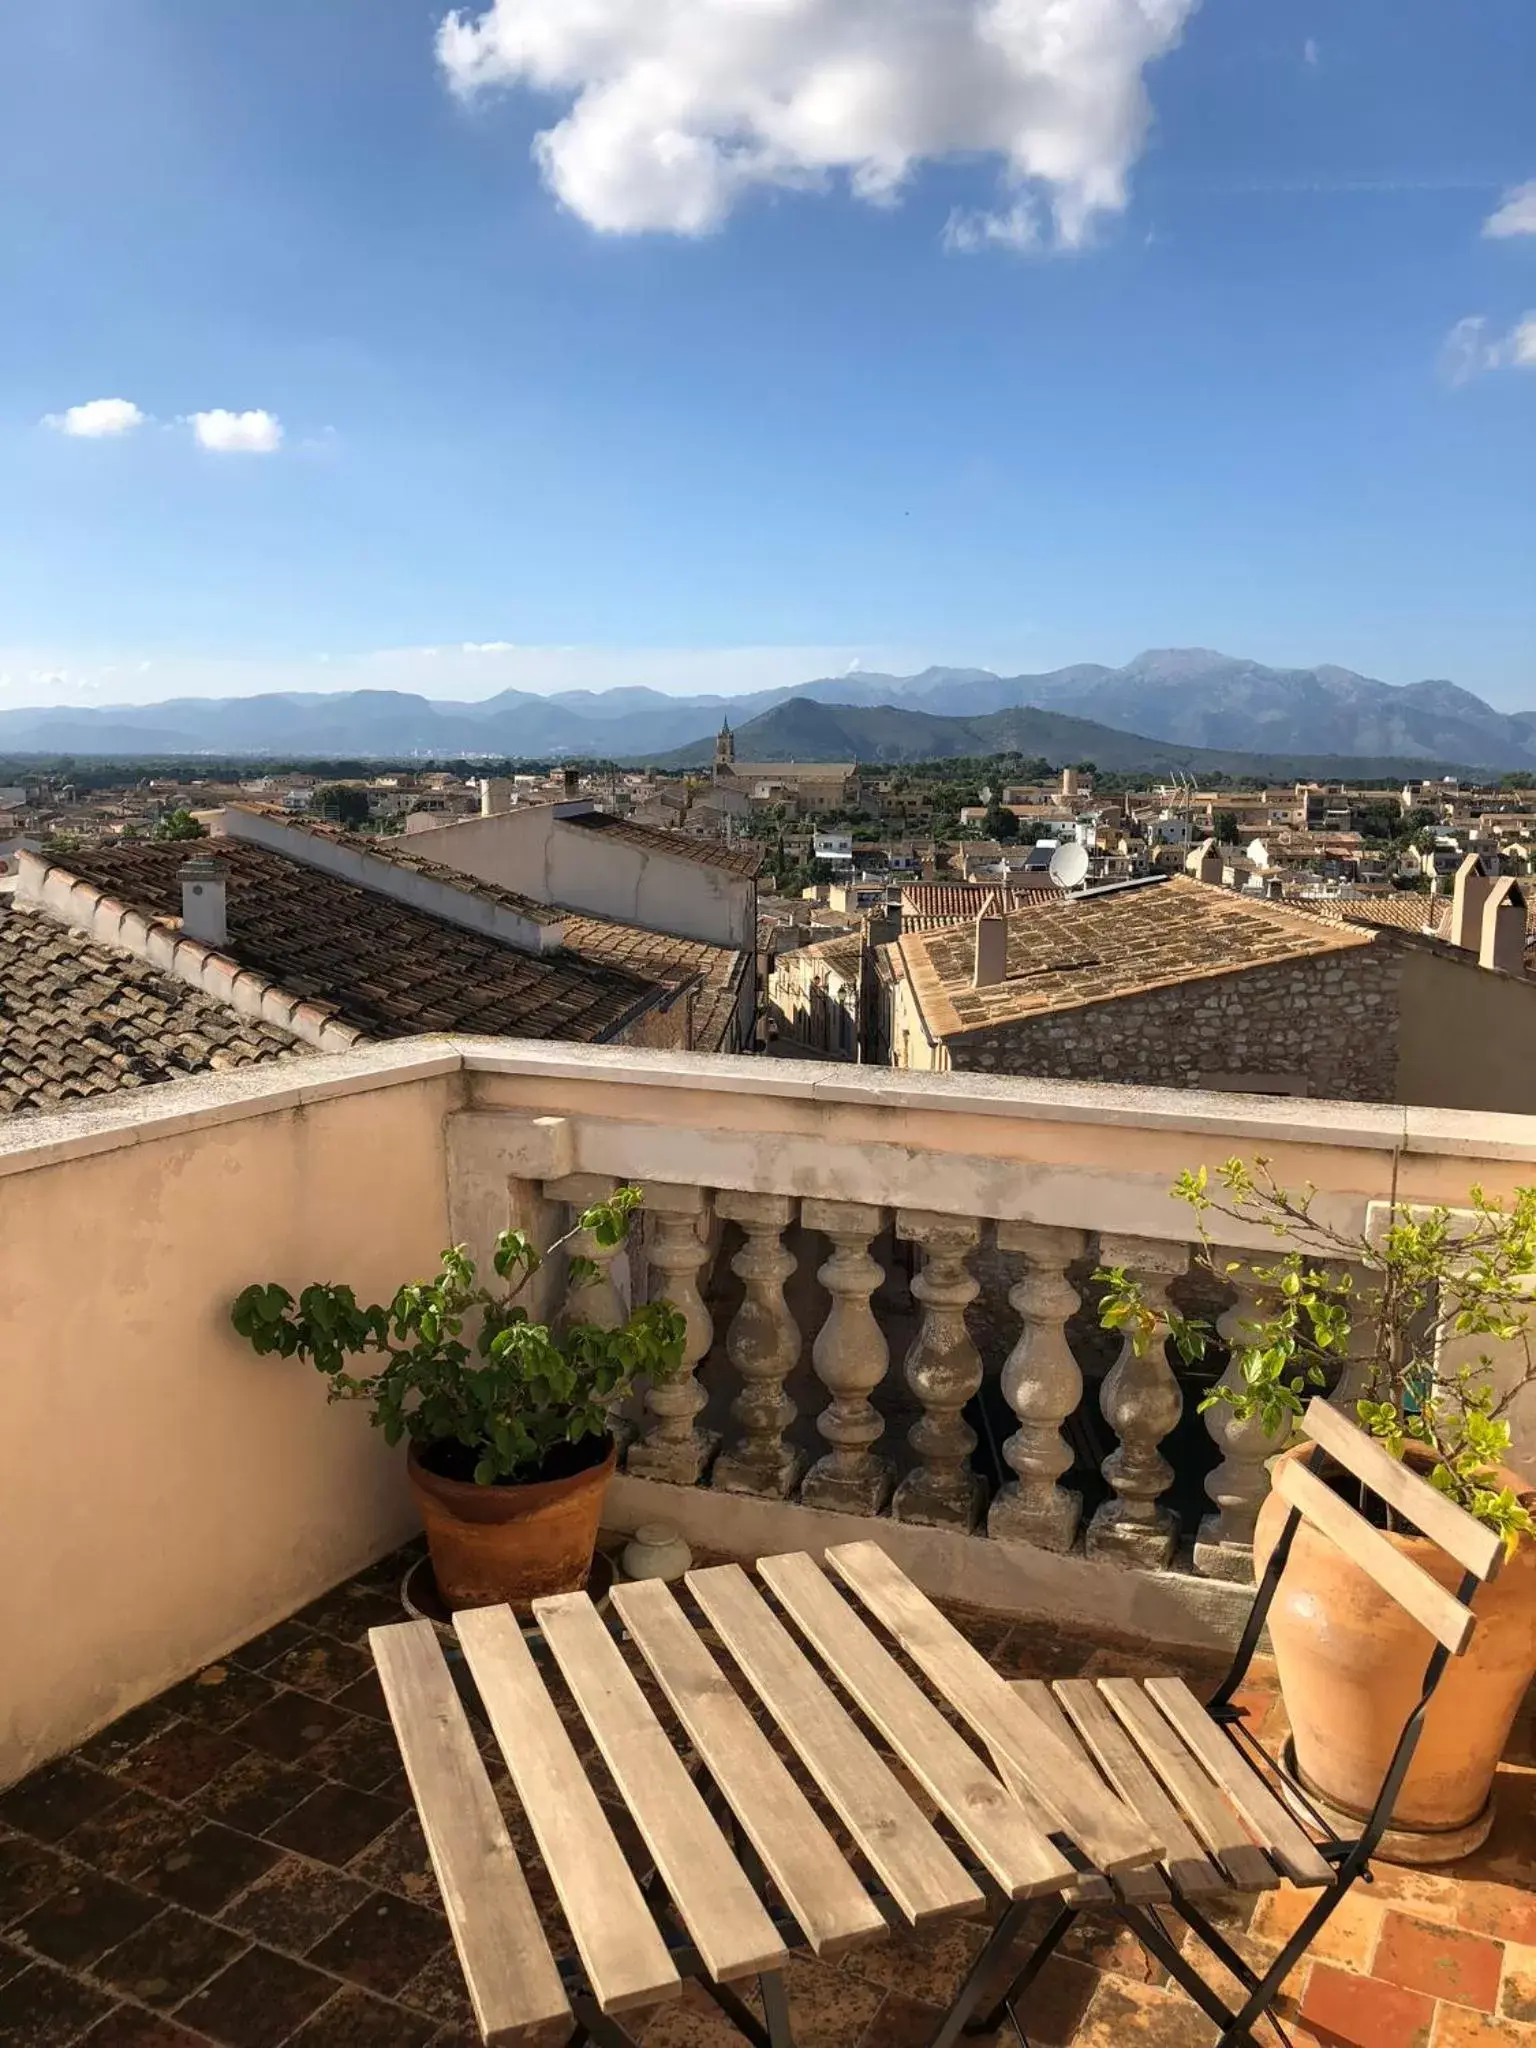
<point x="1395" y="1315"/>
<point x="507" y="1420"/>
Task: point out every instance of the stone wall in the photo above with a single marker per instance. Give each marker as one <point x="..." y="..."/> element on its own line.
<point x="1325" y="1026"/>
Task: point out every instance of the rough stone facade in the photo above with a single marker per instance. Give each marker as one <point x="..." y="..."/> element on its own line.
<point x="1324" y="1026"/>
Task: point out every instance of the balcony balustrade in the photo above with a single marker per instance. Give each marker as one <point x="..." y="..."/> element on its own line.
<point x="887" y="1282"/>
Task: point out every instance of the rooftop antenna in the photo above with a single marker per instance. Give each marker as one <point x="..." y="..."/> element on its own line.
<point x="1069" y="865"/>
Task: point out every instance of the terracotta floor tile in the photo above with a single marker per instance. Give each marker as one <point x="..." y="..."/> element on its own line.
<point x="1517" y="1993"/>
<point x="57" y="1798"/>
<point x="90" y="1915"/>
<point x="169" y="1959"/>
<point x="122" y="1736"/>
<point x="1506" y="1911"/>
<point x="219" y="1695"/>
<point x="130" y="1835"/>
<point x="1348" y="1937"/>
<point x="255" y="1793"/>
<point x="1125" y="2015"/>
<point x="180" y="1760"/>
<point x="1346" y="2011"/>
<point x="43" y="2008"/>
<point x="295" y="1905"/>
<point x="829" y="2008"/>
<point x="1427" y="1894"/>
<point x="1445" y="1962"/>
<point x="29" y="1873"/>
<point x="322" y="1667"/>
<point x="335" y="1823"/>
<point x="130" y="2026"/>
<point x="272" y="1643"/>
<point x="1458" y="2027"/>
<point x="382" y="1943"/>
<point x="289" y="1725"/>
<point x="209" y="1868"/>
<point x="691" y="2020"/>
<point x="258" y="2001"/>
<point x="355" y="2019"/>
<point x="928" y="1966"/>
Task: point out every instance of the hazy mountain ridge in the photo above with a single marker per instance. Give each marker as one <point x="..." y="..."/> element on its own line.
<point x="889" y="734"/>
<point x="1186" y="697"/>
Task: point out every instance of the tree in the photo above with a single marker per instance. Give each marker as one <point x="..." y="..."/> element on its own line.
<point x="1000" y="822"/>
<point x="343" y="805"/>
<point x="1224" y="826"/>
<point x="1377" y="821"/>
<point x="179" y="824"/>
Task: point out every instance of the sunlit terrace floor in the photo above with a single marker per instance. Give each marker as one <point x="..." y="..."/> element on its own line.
<point x="236" y="1862"/>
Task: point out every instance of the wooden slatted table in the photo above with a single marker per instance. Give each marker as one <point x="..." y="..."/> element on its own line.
<point x="1088" y="1793"/>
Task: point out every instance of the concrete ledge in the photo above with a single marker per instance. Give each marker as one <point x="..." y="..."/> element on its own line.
<point x="141" y="1116"/>
<point x="1011" y="1578"/>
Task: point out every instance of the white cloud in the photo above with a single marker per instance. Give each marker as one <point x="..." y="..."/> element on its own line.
<point x="1310" y="53"/>
<point x="967" y="234"/>
<point x="1470" y="350"/>
<point x="99" y="419"/>
<point x="238" y="433"/>
<point x="1515" y="213"/>
<point x="676" y="108"/>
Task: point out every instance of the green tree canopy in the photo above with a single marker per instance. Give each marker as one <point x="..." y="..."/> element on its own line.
<point x="343" y="805"/>
<point x="179" y="824"/>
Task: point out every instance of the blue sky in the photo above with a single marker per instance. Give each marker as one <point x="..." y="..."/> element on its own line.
<point x="649" y="411"/>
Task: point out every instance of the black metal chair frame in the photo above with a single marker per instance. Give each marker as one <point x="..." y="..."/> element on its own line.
<point x="1349" y="1856"/>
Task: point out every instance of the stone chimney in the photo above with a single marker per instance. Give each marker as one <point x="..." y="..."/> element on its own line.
<point x="203" y="910"/>
<point x="1069" y="783"/>
<point x="495" y="795"/>
<point x="1467" y="900"/>
<point x="991" y="946"/>
<point x="1504" y="928"/>
<point x="572" y="781"/>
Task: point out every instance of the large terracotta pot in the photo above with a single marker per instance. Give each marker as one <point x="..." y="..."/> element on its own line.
<point x="1351" y="1665"/>
<point x="491" y="1544"/>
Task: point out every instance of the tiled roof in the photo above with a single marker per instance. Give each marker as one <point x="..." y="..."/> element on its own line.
<point x="1092" y="949"/>
<point x="953" y="902"/>
<point x="380" y="966"/>
<point x="673" y="961"/>
<point x="79" y="1020"/>
<point x="709" y="853"/>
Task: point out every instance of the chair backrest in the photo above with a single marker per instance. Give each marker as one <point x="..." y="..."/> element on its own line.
<point x="1478" y="1549"/>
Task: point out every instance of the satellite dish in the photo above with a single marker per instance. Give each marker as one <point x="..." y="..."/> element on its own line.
<point x="1069" y="865"/>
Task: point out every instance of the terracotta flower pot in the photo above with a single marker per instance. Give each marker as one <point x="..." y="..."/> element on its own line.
<point x="514" y="1543"/>
<point x="1351" y="1665"/>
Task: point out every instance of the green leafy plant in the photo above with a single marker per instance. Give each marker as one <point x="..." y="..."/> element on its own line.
<point x="179" y="824"/>
<point x="465" y="1366"/>
<point x="1386" y="1304"/>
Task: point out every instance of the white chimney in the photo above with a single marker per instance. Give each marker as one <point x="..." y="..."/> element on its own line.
<point x="991" y="950"/>
<point x="1467" y="900"/>
<point x="203" y="911"/>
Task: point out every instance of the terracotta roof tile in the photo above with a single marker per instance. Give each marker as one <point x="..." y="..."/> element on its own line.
<point x="953" y="902"/>
<point x="735" y="860"/>
<point x="398" y="849"/>
<point x="79" y="1020"/>
<point x="1091" y="949"/>
<point x="717" y="969"/>
<point x="387" y="969"/>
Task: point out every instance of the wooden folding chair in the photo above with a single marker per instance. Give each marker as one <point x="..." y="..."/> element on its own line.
<point x="1202" y="1783"/>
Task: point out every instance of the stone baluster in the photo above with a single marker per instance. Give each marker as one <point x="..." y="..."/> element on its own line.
<point x="1224" y="1546"/>
<point x="601" y="1301"/>
<point x="763" y="1344"/>
<point x="672" y="1445"/>
<point x="1042" y="1385"/>
<point x="1141" y="1402"/>
<point x="851" y="1358"/>
<point x="943" y="1369"/>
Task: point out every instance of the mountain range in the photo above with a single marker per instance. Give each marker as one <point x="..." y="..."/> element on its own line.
<point x="803" y="730"/>
<point x="1185" y="698"/>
